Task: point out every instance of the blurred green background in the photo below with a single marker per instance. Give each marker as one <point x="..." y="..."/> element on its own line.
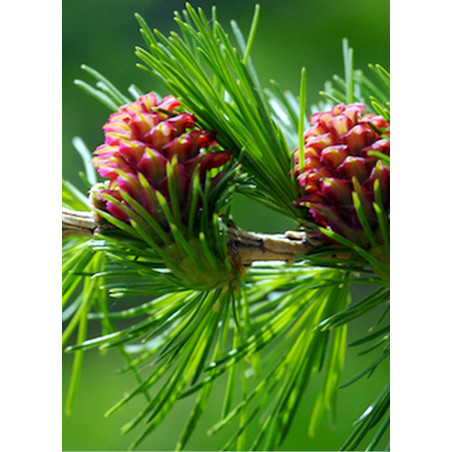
<point x="291" y="34"/>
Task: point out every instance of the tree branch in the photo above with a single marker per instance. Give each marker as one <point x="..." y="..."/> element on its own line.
<point x="247" y="247"/>
<point x="252" y="246"/>
<point x="75" y="222"/>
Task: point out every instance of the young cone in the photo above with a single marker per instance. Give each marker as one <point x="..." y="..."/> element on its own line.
<point x="146" y="143"/>
<point x="340" y="173"/>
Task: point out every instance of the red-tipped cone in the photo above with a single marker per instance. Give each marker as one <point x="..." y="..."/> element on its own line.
<point x="143" y="140"/>
<point x="337" y="163"/>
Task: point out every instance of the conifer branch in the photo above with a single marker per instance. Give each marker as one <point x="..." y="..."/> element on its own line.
<point x="157" y="230"/>
<point x="245" y="247"/>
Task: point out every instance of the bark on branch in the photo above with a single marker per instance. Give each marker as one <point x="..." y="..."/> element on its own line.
<point x="247" y="247"/>
<point x="76" y="222"/>
<point x="252" y="246"/>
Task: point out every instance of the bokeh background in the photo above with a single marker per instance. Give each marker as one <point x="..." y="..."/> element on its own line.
<point x="291" y="34"/>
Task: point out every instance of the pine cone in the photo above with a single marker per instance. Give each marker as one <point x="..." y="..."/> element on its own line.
<point x="337" y="163"/>
<point x="143" y="141"/>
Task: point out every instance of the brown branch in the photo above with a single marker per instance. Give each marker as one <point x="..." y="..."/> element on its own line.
<point x="252" y="246"/>
<point x="75" y="223"/>
<point x="246" y="247"/>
